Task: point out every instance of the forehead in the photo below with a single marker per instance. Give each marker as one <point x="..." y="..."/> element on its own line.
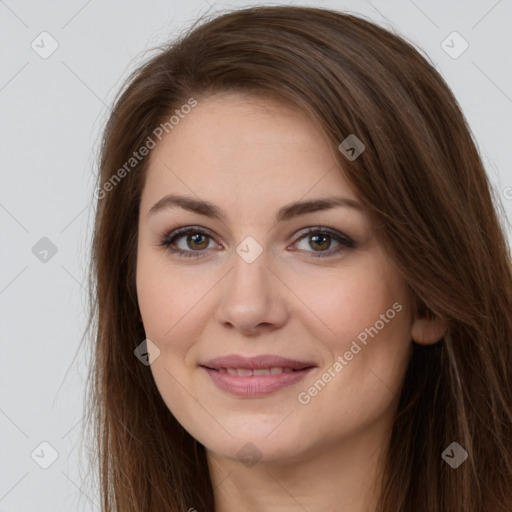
<point x="239" y="148"/>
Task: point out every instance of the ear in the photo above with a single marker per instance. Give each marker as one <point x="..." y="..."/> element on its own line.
<point x="428" y="330"/>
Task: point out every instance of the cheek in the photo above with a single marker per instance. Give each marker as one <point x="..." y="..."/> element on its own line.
<point x="168" y="299"/>
<point x="172" y="312"/>
<point x="344" y="302"/>
<point x="364" y="319"/>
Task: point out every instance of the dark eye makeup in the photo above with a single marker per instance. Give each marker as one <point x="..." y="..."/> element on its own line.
<point x="318" y="236"/>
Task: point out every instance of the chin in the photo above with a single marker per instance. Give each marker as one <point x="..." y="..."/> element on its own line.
<point x="255" y="445"/>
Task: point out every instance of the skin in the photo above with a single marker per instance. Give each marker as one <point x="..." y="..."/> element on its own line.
<point x="250" y="156"/>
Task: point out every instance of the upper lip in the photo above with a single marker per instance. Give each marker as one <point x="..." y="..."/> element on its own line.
<point x="255" y="362"/>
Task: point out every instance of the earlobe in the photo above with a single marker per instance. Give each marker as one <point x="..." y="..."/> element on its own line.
<point x="427" y="331"/>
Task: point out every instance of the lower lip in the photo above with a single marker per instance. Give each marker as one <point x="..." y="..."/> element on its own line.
<point x="255" y="385"/>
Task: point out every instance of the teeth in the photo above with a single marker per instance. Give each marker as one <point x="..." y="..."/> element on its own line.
<point x="246" y="372"/>
<point x="261" y="371"/>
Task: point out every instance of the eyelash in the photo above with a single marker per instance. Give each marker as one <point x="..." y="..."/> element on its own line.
<point x="171" y="237"/>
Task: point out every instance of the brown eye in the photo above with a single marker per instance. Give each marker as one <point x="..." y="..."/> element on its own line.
<point x="196" y="241"/>
<point x="320" y="241"/>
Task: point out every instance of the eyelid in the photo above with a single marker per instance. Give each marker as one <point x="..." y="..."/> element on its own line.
<point x="175" y="233"/>
<point x="334" y="233"/>
<point x="344" y="240"/>
<point x="171" y="236"/>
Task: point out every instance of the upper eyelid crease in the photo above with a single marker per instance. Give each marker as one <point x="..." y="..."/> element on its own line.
<point x="185" y="230"/>
<point x="340" y="237"/>
<point x="285" y="213"/>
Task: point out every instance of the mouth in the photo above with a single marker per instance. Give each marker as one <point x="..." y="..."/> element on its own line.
<point x="255" y="376"/>
<point x="247" y="372"/>
<point x="262" y="362"/>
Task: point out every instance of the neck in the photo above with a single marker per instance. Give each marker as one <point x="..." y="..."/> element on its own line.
<point x="346" y="476"/>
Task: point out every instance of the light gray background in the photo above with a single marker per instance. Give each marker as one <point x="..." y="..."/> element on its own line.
<point x="52" y="113"/>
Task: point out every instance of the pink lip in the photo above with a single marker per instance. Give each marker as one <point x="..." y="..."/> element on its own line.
<point x="255" y="385"/>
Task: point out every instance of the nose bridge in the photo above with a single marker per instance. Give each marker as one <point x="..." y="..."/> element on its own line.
<point x="250" y="295"/>
<point x="249" y="273"/>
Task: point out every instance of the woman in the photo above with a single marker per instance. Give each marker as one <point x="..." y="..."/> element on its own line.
<point x="302" y="288"/>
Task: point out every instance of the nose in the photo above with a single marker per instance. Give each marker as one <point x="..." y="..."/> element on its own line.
<point x="253" y="298"/>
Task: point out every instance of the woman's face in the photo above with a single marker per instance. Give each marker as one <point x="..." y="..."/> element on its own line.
<point x="251" y="282"/>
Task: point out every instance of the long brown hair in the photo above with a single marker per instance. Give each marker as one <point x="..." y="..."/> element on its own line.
<point x="425" y="189"/>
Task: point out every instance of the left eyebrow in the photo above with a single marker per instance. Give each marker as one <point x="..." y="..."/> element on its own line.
<point x="285" y="213"/>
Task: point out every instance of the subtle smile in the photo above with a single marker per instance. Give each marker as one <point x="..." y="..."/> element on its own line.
<point x="255" y="376"/>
